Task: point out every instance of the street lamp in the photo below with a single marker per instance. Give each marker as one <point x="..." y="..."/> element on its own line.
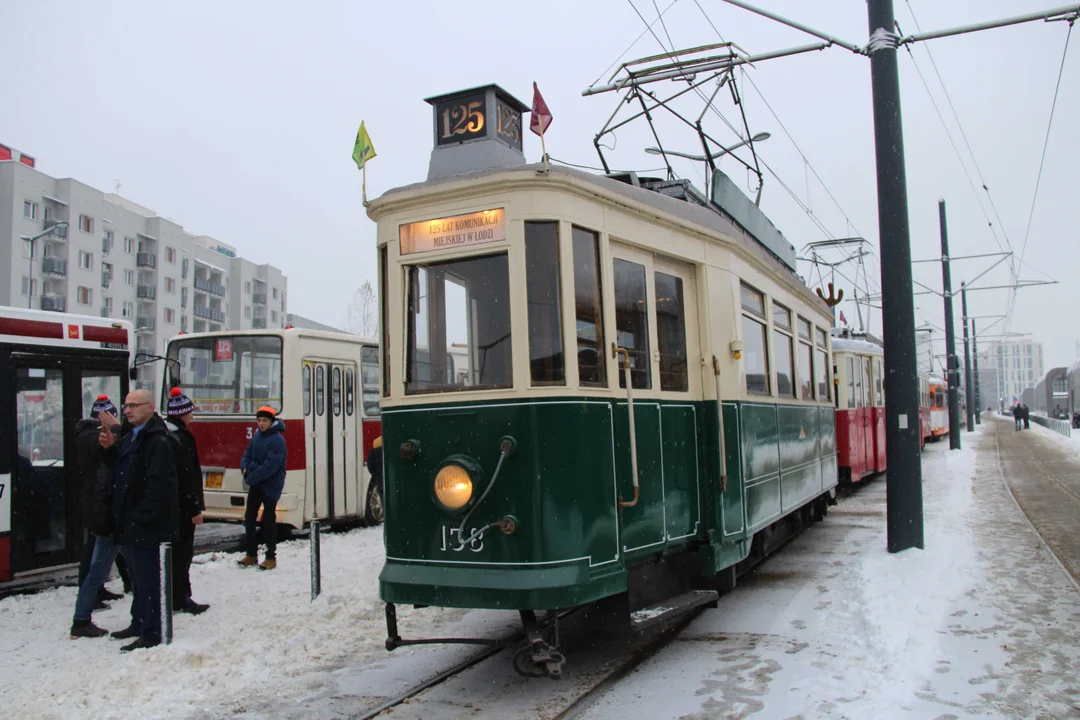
<point x="43" y="233"/>
<point x="760" y="137"/>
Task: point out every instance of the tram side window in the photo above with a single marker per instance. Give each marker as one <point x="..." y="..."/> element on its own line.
<point x="782" y="354"/>
<point x="547" y="364"/>
<point x="866" y="383"/>
<point x="822" y="367"/>
<point x="589" y="309"/>
<point x="755" y="356"/>
<point x="369" y="380"/>
<point x="671" y="332"/>
<point x="459" y="325"/>
<point x="384" y="327"/>
<point x="632" y="321"/>
<point x="879" y="380"/>
<point x="806" y="361"/>
<point x="849" y="366"/>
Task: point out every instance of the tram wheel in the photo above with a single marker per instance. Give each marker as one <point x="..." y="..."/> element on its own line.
<point x="524" y="665"/>
<point x="374" y="513"/>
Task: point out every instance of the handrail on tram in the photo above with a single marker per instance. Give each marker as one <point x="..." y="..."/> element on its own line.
<point x="615" y="350"/>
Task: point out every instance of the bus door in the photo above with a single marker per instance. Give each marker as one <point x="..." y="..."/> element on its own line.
<point x="50" y="397"/>
<point x="330" y="423"/>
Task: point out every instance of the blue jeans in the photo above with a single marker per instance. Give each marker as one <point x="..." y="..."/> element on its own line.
<point x="100" y="567"/>
<point x="145" y="589"/>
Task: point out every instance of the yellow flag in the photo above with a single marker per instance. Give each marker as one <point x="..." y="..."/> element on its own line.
<point x="363" y="150"/>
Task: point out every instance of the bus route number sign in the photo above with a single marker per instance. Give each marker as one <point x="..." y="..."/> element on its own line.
<point x="223" y="350"/>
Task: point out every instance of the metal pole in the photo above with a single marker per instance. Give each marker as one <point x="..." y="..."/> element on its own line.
<point x="952" y="368"/>
<point x="165" y="570"/>
<point x="967" y="360"/>
<point x="975" y="369"/>
<point x="30" y="290"/>
<point x="316" y="569"/>
<point x="904" y="514"/>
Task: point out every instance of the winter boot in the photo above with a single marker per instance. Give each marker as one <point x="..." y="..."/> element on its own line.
<point x="140" y="644"/>
<point x="86" y="630"/>
<point x="248" y="561"/>
<point x="107" y="596"/>
<point x="268" y="564"/>
<point x="127" y="633"/>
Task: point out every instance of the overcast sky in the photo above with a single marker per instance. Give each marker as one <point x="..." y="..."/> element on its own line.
<point x="236" y="120"/>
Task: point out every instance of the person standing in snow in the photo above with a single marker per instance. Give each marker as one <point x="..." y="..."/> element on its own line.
<point x="1027" y="418"/>
<point x="263" y="467"/>
<point x="1018" y="416"/>
<point x="189" y="480"/>
<point x="143" y="503"/>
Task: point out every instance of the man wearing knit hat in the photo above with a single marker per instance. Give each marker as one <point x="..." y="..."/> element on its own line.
<point x="263" y="466"/>
<point x="189" y="480"/>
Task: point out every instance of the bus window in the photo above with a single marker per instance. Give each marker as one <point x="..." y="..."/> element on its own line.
<point x="319" y="396"/>
<point x="307" y="389"/>
<point x="99" y="382"/>
<point x="40" y="491"/>
<point x="349" y="392"/>
<point x="336" y="391"/>
<point x="369" y="380"/>
<point x="230" y="375"/>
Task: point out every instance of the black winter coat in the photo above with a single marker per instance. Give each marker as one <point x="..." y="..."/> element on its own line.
<point x="148" y="510"/>
<point x="189" y="475"/>
<point x="87" y="460"/>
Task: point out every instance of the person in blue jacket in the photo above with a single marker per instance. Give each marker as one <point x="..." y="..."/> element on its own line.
<point x="263" y="467"/>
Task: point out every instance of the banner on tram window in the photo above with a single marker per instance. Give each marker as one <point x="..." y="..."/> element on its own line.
<point x="486" y="226"/>
<point x="223" y="350"/>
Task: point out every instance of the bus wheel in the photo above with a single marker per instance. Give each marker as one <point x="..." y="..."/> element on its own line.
<point x="373" y="508"/>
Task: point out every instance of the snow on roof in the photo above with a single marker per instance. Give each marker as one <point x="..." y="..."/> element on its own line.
<point x="856" y="345"/>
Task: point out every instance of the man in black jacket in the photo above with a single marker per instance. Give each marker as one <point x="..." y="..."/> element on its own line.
<point x="143" y="504"/>
<point x="189" y="478"/>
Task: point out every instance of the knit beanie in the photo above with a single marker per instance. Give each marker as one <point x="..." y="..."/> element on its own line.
<point x="179" y="403"/>
<point x="102" y="404"/>
<point x="266" y="412"/>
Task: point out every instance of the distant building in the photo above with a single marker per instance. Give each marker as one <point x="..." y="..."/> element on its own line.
<point x="1006" y="369"/>
<point x="119" y="259"/>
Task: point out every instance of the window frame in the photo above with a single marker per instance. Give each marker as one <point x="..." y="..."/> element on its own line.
<point x="760" y="319"/>
<point x="580" y="235"/>
<point x="86" y="223"/>
<point x="553" y="373"/>
<point x="787" y="333"/>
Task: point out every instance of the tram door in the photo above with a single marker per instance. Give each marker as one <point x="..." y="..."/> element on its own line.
<point x="50" y="397"/>
<point x="332" y="430"/>
<point x="868" y="417"/>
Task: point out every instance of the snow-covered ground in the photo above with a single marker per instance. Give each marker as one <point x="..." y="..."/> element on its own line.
<point x="979" y="624"/>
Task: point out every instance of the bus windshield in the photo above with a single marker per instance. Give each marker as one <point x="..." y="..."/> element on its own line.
<point x="227" y="375"/>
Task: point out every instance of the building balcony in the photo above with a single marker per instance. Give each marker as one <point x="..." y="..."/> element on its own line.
<point x="258" y="324"/>
<point x="56" y="303"/>
<point x="54" y="266"/>
<point x="209" y="287"/>
<point x="146" y="292"/>
<point x="58" y="233"/>
<point x="106" y="279"/>
<point x="144" y="325"/>
<point x="258" y="298"/>
<point x="146" y="260"/>
<point x="209" y="313"/>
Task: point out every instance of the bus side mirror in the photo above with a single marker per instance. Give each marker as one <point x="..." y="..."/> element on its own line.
<point x="133" y="373"/>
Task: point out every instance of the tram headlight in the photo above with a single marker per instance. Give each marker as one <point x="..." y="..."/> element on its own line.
<point x="453" y="486"/>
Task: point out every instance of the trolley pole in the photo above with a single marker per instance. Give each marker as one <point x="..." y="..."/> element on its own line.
<point x="951" y="361"/>
<point x="904" y="511"/>
<point x="975" y="370"/>
<point x="967" y="361"/>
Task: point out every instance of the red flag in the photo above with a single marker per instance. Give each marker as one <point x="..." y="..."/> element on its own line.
<point x="842" y="318"/>
<point x="541" y="116"/>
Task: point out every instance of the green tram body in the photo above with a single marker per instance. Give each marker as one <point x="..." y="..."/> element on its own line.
<point x="571" y="542"/>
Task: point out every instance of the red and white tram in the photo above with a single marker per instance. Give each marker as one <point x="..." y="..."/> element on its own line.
<point x="939" y="407"/>
<point x="325" y="389"/>
<point x="860" y="405"/>
<point x="52" y="367"/>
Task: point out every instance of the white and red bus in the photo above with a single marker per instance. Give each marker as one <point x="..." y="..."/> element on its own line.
<point x="52" y="367"/>
<point x="858" y="365"/>
<point x="325" y="389"/>
<point x="939" y="407"/>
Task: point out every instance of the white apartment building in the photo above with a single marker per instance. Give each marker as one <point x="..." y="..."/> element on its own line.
<point x="1006" y="369"/>
<point x="119" y="259"/>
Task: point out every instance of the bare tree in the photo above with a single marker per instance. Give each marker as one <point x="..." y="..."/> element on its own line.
<point x="361" y="318"/>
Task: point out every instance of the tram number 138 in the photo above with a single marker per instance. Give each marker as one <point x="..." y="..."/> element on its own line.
<point x="452" y="540"/>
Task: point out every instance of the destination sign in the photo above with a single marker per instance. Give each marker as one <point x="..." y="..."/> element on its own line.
<point x="486" y="226"/>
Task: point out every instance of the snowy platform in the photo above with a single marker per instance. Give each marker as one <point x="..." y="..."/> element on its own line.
<point x="981" y="624"/>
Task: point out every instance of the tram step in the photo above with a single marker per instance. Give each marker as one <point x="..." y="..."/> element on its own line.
<point x="661" y="612"/>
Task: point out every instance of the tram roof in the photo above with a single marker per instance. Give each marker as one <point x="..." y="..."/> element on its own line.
<point x="707" y="216"/>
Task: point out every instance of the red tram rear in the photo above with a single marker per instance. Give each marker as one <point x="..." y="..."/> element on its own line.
<point x="860" y="404"/>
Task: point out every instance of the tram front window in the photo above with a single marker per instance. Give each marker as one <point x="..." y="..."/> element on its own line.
<point x="459" y="325"/>
<point x="228" y="375"/>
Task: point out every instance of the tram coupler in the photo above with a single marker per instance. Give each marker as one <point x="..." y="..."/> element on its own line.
<point x="539" y="658"/>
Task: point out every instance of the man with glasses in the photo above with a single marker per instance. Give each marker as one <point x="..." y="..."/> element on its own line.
<point x="143" y="504"/>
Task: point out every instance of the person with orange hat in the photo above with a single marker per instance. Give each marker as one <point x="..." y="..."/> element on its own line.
<point x="263" y="467"/>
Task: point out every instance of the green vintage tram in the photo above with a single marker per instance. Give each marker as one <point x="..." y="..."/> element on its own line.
<point x="525" y="310"/>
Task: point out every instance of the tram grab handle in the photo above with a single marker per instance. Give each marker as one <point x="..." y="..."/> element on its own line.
<point x="615" y="350"/>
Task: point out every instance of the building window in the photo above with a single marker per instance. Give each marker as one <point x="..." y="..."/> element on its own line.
<point x="28" y="248"/>
<point x="183" y="323"/>
<point x="107" y="242"/>
<point x="782" y="351"/>
<point x="86" y="223"/>
<point x="671" y="332"/>
<point x="806" y="360"/>
<point x="183" y="268"/>
<point x="170" y="255"/>
<point x="86" y="260"/>
<point x="30" y="210"/>
<point x="546" y="360"/>
<point x="247" y="287"/>
<point x="755" y="355"/>
<point x="170" y="285"/>
<point x="85" y="295"/>
<point x="129" y="245"/>
<point x="273" y="316"/>
<point x="107" y="305"/>
<point x="275" y="293"/>
<point x="29" y="288"/>
<point x="127" y="309"/>
<point x="170" y="316"/>
<point x="247" y="311"/>
<point x="129" y="277"/>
